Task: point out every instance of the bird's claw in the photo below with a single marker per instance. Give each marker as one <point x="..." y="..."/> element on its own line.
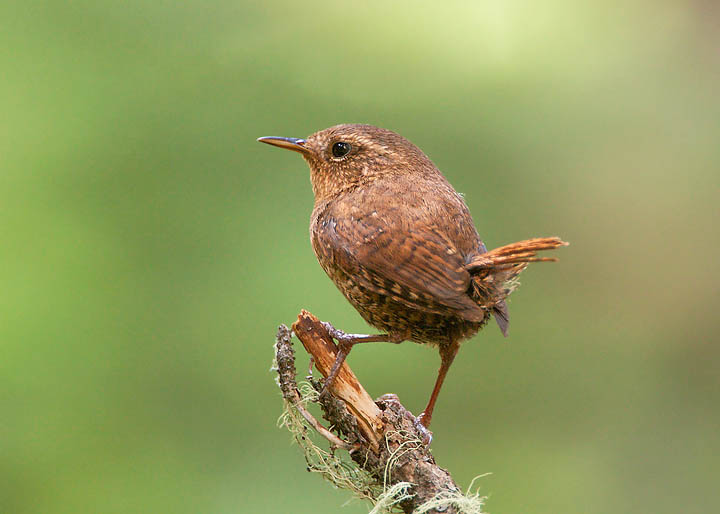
<point x="324" y="391"/>
<point x="424" y="431"/>
<point x="335" y="333"/>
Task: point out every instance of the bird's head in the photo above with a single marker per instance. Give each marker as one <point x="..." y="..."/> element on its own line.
<point x="344" y="156"/>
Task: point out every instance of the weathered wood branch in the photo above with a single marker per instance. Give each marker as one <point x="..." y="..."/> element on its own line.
<point x="318" y="343"/>
<point x="382" y="436"/>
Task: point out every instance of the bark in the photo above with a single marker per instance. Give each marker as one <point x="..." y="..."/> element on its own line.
<point x="382" y="436"/>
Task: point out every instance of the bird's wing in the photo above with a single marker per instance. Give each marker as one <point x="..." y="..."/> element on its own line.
<point x="418" y="266"/>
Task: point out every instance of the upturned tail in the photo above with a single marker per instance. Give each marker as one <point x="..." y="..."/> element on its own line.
<point x="494" y="273"/>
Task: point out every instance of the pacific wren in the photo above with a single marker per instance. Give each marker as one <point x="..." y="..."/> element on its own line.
<point x="400" y="244"/>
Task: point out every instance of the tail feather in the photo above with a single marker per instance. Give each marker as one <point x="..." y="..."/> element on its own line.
<point x="502" y="316"/>
<point x="495" y="273"/>
<point x="515" y="253"/>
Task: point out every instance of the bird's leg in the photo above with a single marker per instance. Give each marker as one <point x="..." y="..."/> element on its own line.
<point x="447" y="355"/>
<point x="345" y="342"/>
<point x="310" y="366"/>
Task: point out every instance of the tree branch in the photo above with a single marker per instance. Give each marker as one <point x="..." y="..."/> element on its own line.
<point x="384" y="438"/>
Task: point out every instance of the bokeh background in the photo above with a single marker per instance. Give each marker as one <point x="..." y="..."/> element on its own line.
<point x="149" y="246"/>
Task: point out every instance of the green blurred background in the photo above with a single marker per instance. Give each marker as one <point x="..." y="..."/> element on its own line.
<point x="150" y="247"/>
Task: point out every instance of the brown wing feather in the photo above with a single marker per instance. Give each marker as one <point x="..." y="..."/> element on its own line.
<point x="419" y="267"/>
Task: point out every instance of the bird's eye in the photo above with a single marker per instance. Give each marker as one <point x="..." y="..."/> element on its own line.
<point x="341" y="149"/>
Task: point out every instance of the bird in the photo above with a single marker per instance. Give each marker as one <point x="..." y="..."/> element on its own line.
<point x="400" y="244"/>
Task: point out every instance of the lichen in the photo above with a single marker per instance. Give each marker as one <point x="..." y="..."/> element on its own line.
<point x="346" y="474"/>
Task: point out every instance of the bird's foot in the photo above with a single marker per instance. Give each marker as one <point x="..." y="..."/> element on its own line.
<point x="346" y="341"/>
<point x="424" y="431"/>
<point x="425" y="435"/>
<point x="349" y="339"/>
<point x="335" y="333"/>
<point x="339" y="359"/>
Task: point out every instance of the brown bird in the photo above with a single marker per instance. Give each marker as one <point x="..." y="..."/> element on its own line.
<point x="400" y="244"/>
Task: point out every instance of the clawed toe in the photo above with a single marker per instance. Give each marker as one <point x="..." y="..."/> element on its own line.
<point x="335" y="333"/>
<point x="424" y="431"/>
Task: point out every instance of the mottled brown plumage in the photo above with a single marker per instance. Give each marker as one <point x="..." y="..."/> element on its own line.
<point x="400" y="244"/>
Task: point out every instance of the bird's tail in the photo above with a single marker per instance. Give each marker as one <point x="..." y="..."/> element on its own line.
<point x="494" y="273"/>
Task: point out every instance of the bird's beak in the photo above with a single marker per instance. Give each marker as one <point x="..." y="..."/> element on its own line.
<point x="289" y="143"/>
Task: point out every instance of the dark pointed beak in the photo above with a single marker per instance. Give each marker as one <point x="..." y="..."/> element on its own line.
<point x="289" y="143"/>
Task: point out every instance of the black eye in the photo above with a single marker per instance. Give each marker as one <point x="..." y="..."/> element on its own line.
<point x="341" y="149"/>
